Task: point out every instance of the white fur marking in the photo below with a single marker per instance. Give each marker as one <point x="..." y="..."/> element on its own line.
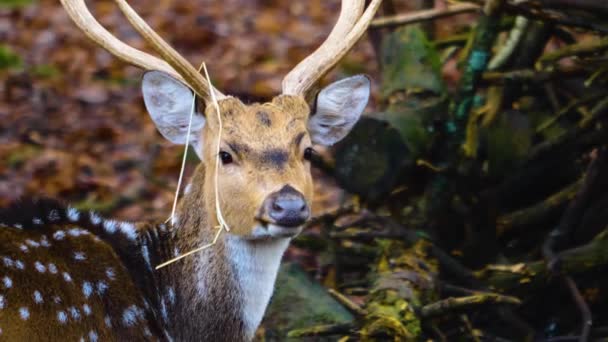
<point x="8" y="283"/>
<point x="23" y="248"/>
<point x="39" y="267"/>
<point x="95" y="219"/>
<point x="79" y="256"/>
<point x="38" y="297"/>
<point x="59" y="235"/>
<point x="66" y="277"/>
<point x="32" y="243"/>
<point x="19" y="265"/>
<point x="24" y="313"/>
<point x="171" y="295"/>
<point x="2" y="302"/>
<point x="256" y="265"/>
<point x="36" y="221"/>
<point x="110" y="273"/>
<point x="146" y="254"/>
<point x="128" y="229"/>
<point x="107" y="321"/>
<point x="62" y="317"/>
<point x="74" y="312"/>
<point x="73" y="214"/>
<point x="110" y="226"/>
<point x="86" y="309"/>
<point x="92" y="336"/>
<point x="87" y="289"/>
<point x="8" y="262"/>
<point x="102" y="287"/>
<point x="52" y="268"/>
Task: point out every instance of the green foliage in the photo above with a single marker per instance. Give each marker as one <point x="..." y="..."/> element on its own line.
<point x="10" y="4"/>
<point x="9" y="59"/>
<point x="45" y="71"/>
<point x="410" y="62"/>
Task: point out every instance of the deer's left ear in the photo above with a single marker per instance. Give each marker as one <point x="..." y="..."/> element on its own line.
<point x="338" y="107"/>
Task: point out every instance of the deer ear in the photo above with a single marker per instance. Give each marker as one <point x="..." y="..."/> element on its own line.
<point x="338" y="108"/>
<point x="169" y="103"/>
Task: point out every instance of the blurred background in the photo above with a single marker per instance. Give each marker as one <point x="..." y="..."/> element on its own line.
<point x="479" y="166"/>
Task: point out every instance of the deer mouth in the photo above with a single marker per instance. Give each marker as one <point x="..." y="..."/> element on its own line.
<point x="265" y="230"/>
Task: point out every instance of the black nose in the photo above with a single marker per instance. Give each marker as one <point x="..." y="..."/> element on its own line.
<point x="287" y="207"/>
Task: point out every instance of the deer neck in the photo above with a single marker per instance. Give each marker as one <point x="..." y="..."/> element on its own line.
<point x="226" y="287"/>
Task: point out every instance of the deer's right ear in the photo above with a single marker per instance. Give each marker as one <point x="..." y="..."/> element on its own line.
<point x="169" y="103"/>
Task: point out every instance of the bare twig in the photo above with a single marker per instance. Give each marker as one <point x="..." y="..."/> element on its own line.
<point x="348" y="304"/>
<point x="453" y="304"/>
<point x="419" y="16"/>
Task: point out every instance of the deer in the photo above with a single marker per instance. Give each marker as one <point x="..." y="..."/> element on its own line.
<point x="69" y="274"/>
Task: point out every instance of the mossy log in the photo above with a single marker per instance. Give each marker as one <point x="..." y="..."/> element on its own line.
<point x="527" y="276"/>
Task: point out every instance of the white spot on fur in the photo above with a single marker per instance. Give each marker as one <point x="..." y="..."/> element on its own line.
<point x="37" y="221"/>
<point x="39" y="267"/>
<point x="79" y="256"/>
<point x="53" y="215"/>
<point x="8" y="282"/>
<point x="171" y="295"/>
<point x="52" y="268"/>
<point x="57" y="300"/>
<point x="73" y="214"/>
<point x="66" y="277"/>
<point x="32" y="243"/>
<point x="130" y="315"/>
<point x="110" y="273"/>
<point x="188" y="188"/>
<point x="147" y="332"/>
<point x="44" y="242"/>
<point x="23" y="248"/>
<point x="86" y="309"/>
<point x="110" y="226"/>
<point x="175" y="252"/>
<point x="107" y="321"/>
<point x="2" y="302"/>
<point x="95" y="219"/>
<point x="256" y="265"/>
<point x="76" y="232"/>
<point x="19" y="265"/>
<point x="38" y="297"/>
<point x="163" y="310"/>
<point x="62" y="317"/>
<point x="74" y="313"/>
<point x="59" y="235"/>
<point x="8" y="262"/>
<point x="87" y="289"/>
<point x="92" y="336"/>
<point x="128" y="229"/>
<point x="146" y="254"/>
<point x="18" y="225"/>
<point x="102" y="287"/>
<point x="24" y="313"/>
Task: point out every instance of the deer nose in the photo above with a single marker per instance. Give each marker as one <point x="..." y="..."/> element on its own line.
<point x="287" y="207"/>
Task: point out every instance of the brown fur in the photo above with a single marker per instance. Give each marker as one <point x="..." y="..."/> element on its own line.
<point x="245" y="183"/>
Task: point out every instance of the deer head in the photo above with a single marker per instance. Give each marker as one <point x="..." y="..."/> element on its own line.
<point x="264" y="180"/>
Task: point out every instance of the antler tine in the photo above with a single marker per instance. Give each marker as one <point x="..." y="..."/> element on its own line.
<point x="78" y="11"/>
<point x="193" y="78"/>
<point x="349" y="28"/>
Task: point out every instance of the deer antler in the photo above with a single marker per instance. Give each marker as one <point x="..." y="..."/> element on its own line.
<point x="349" y="28"/>
<point x="175" y="64"/>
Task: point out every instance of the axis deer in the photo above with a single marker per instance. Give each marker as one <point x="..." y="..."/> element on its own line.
<point x="69" y="275"/>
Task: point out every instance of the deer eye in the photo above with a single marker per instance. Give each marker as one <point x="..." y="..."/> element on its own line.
<point x="308" y="153"/>
<point x="225" y="157"/>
